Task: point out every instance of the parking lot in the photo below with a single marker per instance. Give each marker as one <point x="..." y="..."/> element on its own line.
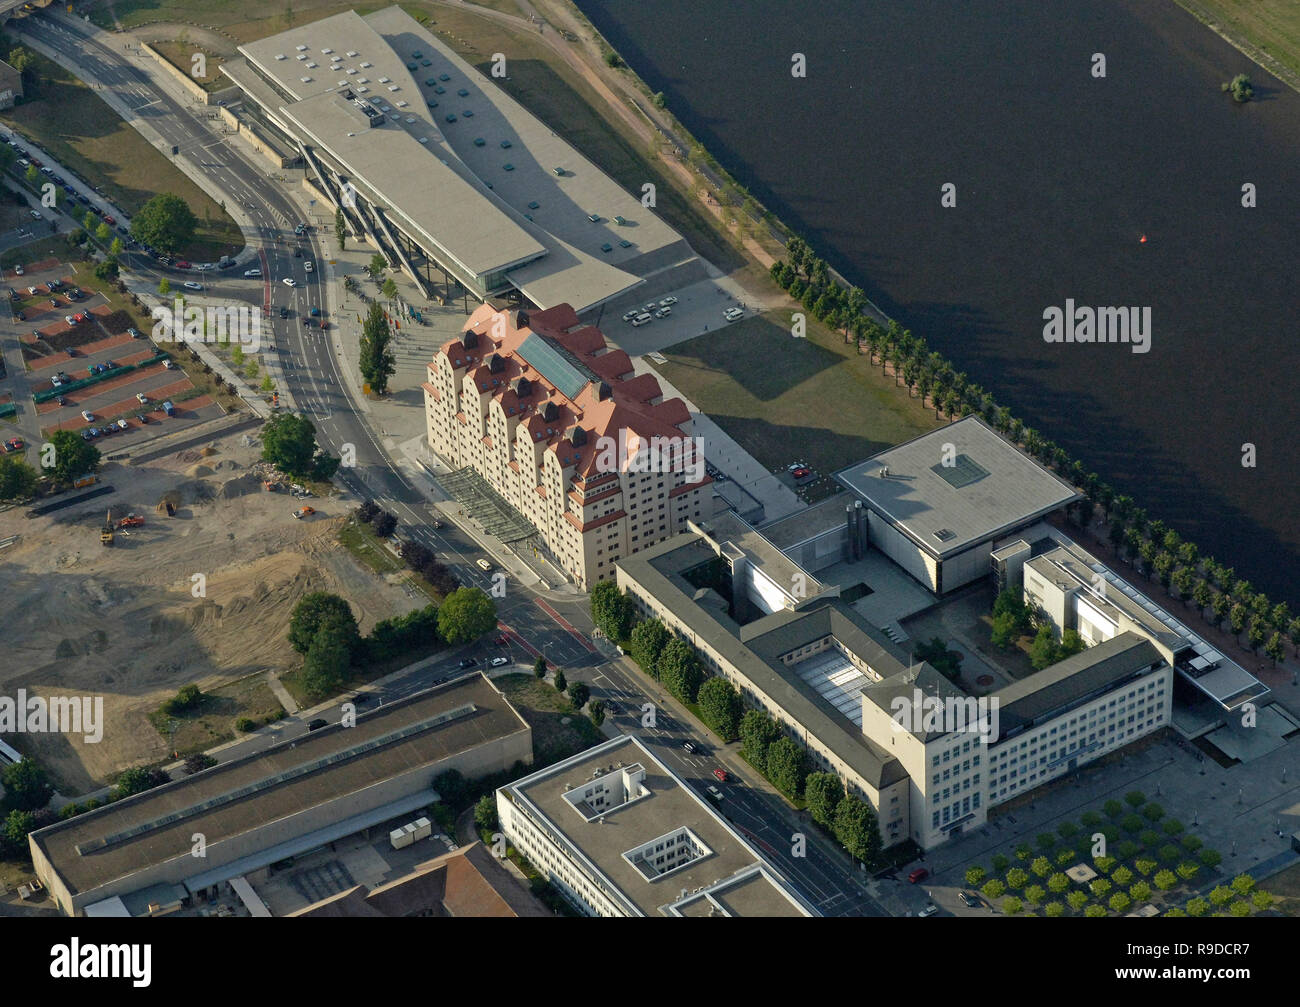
<point x="70" y="338"/>
<point x="691" y="310"/>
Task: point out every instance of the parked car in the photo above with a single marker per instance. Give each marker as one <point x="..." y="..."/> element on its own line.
<point x="303" y="512"/>
<point x="14" y="444"/>
<point x="141" y="397"/>
<point x="142" y="417"/>
<point x="689" y="746"/>
<point x="467" y="662"/>
<point x="134" y="333"/>
<point x="317" y="724"/>
<point x="667" y="301"/>
<point x="714" y="793"/>
<point x="483" y="564"/>
<point x="250" y="274"/>
<point x="191" y="285"/>
<point x="497" y="662"/>
<point x="969" y="899"/>
<point x="663" y="312"/>
<point x="182" y="264"/>
<point x="61" y="400"/>
<point x="289" y="281"/>
<point x="929" y="910"/>
<point x="920" y="874"/>
<point x="87" y="415"/>
<point x="641" y="319"/>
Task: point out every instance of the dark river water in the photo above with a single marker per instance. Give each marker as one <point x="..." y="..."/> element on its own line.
<point x="1058" y="175"/>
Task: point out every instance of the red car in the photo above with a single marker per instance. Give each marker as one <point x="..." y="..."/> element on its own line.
<point x="182" y="264"/>
<point x="801" y="473"/>
<point x="920" y="874"/>
<point x="721" y="775"/>
<point x="109" y="220"/>
<point x="14" y="444"/>
<point x="502" y="640"/>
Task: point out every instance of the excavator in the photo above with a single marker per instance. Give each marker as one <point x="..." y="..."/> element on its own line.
<point x="106" y="533"/>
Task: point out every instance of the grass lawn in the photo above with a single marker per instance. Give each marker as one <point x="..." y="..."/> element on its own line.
<point x="70" y="121"/>
<point x="546" y="711"/>
<point x="181" y="54"/>
<point x="213" y="721"/>
<point x="1273" y="25"/>
<point x="787" y="400"/>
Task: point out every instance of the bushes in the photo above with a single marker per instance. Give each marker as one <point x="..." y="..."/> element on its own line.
<point x="395" y="636"/>
<point x="245" y="725"/>
<point x="186" y="699"/>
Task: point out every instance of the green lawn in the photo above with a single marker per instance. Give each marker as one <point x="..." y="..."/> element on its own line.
<point x="70" y="121"/>
<point x="1273" y="25"/>
<point x="546" y="712"/>
<point x="213" y="721"/>
<point x="784" y="399"/>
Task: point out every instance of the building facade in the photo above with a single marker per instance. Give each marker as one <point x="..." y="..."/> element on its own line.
<point x="551" y="417"/>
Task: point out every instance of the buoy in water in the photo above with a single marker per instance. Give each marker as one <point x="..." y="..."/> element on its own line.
<point x="1143" y="239"/>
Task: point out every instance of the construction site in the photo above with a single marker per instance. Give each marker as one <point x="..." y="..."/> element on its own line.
<point x="186" y="571"/>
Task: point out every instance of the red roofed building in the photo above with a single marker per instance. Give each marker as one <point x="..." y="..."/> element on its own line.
<point x="550" y="415"/>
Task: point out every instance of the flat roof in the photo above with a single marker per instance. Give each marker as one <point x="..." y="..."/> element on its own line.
<point x="762" y="554"/>
<point x="1074" y="679"/>
<point x="988" y="487"/>
<point x="754" y="648"/>
<point x="482" y="189"/>
<point x="668" y="805"/>
<point x="131" y="835"/>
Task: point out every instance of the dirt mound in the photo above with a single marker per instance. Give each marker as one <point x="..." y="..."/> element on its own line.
<point x="208" y="451"/>
<point x="198" y="471"/>
<point x="239" y="486"/>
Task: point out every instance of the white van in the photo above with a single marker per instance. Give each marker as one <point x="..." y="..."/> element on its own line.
<point x="251" y="273"/>
<point x="641" y="319"/>
<point x="307" y="267"/>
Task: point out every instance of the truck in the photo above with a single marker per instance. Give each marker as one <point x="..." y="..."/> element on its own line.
<point x="130" y="521"/>
<point x="86" y="480"/>
<point x="168" y="408"/>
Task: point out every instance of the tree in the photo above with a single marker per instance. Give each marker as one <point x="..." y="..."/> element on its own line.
<point x="377" y="265"/>
<point x="73" y="456"/>
<point x="822" y="794"/>
<point x="680" y="670"/>
<point x="787" y="765"/>
<point x="647" y="641"/>
<point x="378" y="362"/>
<point x="1042" y="652"/>
<point x="384" y="524"/>
<point x="946" y="662"/>
<point x="1239" y="87"/>
<point x="720" y="707"/>
<point x="340" y="228"/>
<point x="138" y="780"/>
<point x="611" y="610"/>
<point x="33" y="175"/>
<point x="329" y="656"/>
<point x="452" y="786"/>
<point x="539" y="667"/>
<point x="103" y="232"/>
<point x="485" y="814"/>
<point x="26" y="786"/>
<point x="311" y="612"/>
<point x="466" y="614"/>
<point x="17" y="479"/>
<point x="578" y="695"/>
<point x="289" y="443"/>
<point x="856" y="829"/>
<point x="560" y="681"/>
<point x="596" y="711"/>
<point x="389" y="289"/>
<point x="198" y="762"/>
<point x="165" y="222"/>
<point x="1274" y="648"/>
<point x="757" y="732"/>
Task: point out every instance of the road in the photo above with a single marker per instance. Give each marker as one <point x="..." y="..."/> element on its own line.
<point x="316" y="379"/>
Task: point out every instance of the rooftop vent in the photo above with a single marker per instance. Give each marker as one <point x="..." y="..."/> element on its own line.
<point x="944" y="534"/>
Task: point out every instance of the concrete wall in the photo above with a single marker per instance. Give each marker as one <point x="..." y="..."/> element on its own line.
<point x="195" y="89"/>
<point x="903" y="551"/>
